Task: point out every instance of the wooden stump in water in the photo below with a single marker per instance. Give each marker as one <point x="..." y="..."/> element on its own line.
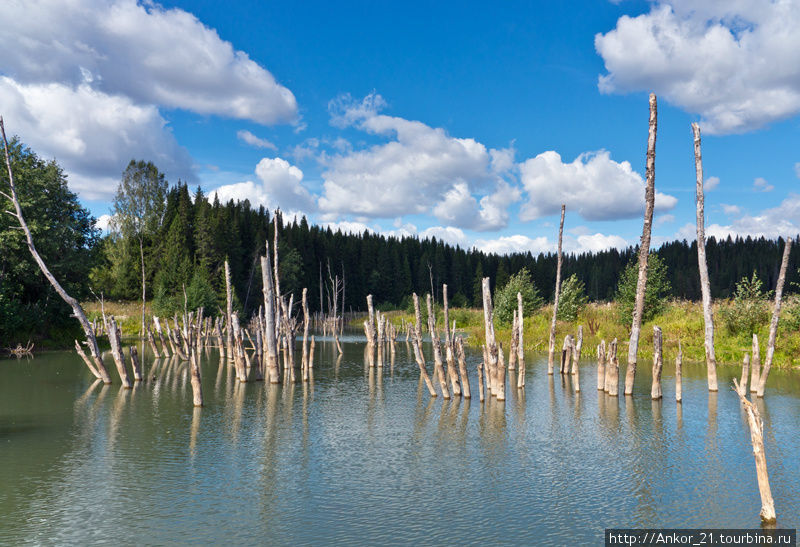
<point x="755" y="365"/>
<point x="576" y="354"/>
<point x="613" y="376"/>
<point x="520" y="343"/>
<point x="417" y="345"/>
<point x="137" y="366"/>
<point x="270" y="338"/>
<point x="601" y="365"/>
<point x="480" y="380"/>
<point x="757" y="438"/>
<point x="679" y="374"/>
<point x="745" y="372"/>
<point x="116" y="353"/>
<point x="552" y="341"/>
<point x="499" y="374"/>
<point x="655" y="388"/>
<point x="512" y="350"/>
<point x="437" y="350"/>
<point x="449" y="347"/>
<point x="311" y="355"/>
<point x="462" y="367"/>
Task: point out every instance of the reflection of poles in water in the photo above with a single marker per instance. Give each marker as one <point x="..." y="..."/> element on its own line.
<point x="237" y="407"/>
<point x="116" y="415"/>
<point x="194" y="431"/>
<point x="712" y="415"/>
<point x="756" y="426"/>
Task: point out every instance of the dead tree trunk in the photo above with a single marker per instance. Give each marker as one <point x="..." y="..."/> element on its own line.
<point x="369" y="330"/>
<point x="228" y="311"/>
<point x="655" y="388"/>
<point x="679" y="374"/>
<point x="136" y="364"/>
<point x="449" y="347"/>
<point x="576" y="355"/>
<point x="512" y="350"/>
<point x="417" y="344"/>
<point x="498" y="375"/>
<point x="194" y="364"/>
<point x="644" y="248"/>
<point x="776" y="312"/>
<point x="520" y="343"/>
<point x="437" y="350"/>
<point x="117" y="354"/>
<point x="462" y="367"/>
<point x="755" y="370"/>
<point x="271" y="341"/>
<point x="306" y="322"/>
<point x="705" y="286"/>
<point x="77" y="310"/>
<point x="601" y="365"/>
<point x="757" y="438"/>
<point x="613" y="377"/>
<point x="745" y="372"/>
<point x="552" y="347"/>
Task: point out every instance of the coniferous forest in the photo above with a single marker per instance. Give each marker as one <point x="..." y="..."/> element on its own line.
<point x="190" y="242"/>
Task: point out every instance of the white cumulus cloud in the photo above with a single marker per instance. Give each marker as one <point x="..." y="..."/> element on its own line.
<point x="780" y="221"/>
<point x="710" y="183"/>
<point x="593" y="185"/>
<point x="732" y="62"/>
<point x="519" y="243"/>
<point x="760" y="184"/>
<point x="419" y="169"/>
<point x="249" y="138"/>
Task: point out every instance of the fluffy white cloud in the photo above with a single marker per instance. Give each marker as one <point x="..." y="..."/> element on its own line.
<point x="92" y="135"/>
<point x="664" y="219"/>
<point x="247" y="137"/>
<point x="732" y="62"/>
<point x="780" y="221"/>
<point x="103" y="222"/>
<point x="280" y="187"/>
<point x="594" y="186"/>
<point x="570" y="244"/>
<point x="731" y="210"/>
<point x="710" y="183"/>
<point x="150" y="54"/>
<point x="419" y="169"/>
<point x="760" y="184"/>
<point x="448" y="234"/>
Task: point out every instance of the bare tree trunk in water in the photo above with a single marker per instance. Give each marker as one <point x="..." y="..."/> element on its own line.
<point x="705" y="286"/>
<point x="644" y="248"/>
<point x="77" y="310"/>
<point x="552" y="347"/>
<point x="776" y="312"/>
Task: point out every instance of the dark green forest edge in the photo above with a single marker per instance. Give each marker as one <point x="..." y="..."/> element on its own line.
<point x="185" y="239"/>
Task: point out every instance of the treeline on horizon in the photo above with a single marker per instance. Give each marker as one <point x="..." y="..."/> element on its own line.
<point x="196" y="236"/>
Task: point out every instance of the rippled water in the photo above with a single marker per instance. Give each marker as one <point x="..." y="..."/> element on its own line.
<point x="365" y="456"/>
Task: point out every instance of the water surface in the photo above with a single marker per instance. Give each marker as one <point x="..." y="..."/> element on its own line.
<point x="366" y="456"/>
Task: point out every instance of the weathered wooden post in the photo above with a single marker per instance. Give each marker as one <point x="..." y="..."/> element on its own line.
<point x="745" y="372"/>
<point x="613" y="364"/>
<point x="512" y="350"/>
<point x="566" y="354"/>
<point x="776" y="312"/>
<point x="116" y="352"/>
<point x="437" y="350"/>
<point x="644" y="248"/>
<point x="480" y="380"/>
<point x="269" y="319"/>
<point x="757" y="438"/>
<point x="228" y="311"/>
<point x="576" y="354"/>
<point x="417" y="345"/>
<point x="552" y="346"/>
<point x="499" y="376"/>
<point x="705" y="286"/>
<point x="520" y="344"/>
<point x="135" y="364"/>
<point x="449" y="347"/>
<point x="306" y="320"/>
<point x="462" y="367"/>
<point x="194" y="363"/>
<point x="679" y="374"/>
<point x="755" y="368"/>
<point x="311" y="356"/>
<point x="381" y="324"/>
<point x="601" y="365"/>
<point x="655" y="388"/>
<point x="369" y="330"/>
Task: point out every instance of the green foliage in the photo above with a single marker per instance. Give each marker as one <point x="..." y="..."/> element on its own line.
<point x="506" y="298"/>
<point x="658" y="287"/>
<point x="65" y="237"/>
<point x="572" y="299"/>
<point x="749" y="308"/>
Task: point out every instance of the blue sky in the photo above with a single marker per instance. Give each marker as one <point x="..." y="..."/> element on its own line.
<point x="466" y="121"/>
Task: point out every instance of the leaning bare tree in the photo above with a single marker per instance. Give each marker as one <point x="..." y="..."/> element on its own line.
<point x="100" y="370"/>
<point x="644" y="247"/>
<point x="705" y="286"/>
<point x="552" y="345"/>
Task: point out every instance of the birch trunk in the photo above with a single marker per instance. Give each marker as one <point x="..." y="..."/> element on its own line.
<point x="271" y="341"/>
<point x="655" y="388"/>
<point x="776" y="312"/>
<point x="644" y="248"/>
<point x="705" y="286"/>
<point x="552" y="346"/>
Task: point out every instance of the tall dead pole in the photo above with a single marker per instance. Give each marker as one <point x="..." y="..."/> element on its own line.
<point x="552" y="346"/>
<point x="644" y="247"/>
<point x="776" y="312"/>
<point x="705" y="286"/>
<point x="77" y="310"/>
<point x="269" y="319"/>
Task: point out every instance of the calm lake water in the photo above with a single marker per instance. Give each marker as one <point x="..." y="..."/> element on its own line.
<point x="365" y="456"/>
